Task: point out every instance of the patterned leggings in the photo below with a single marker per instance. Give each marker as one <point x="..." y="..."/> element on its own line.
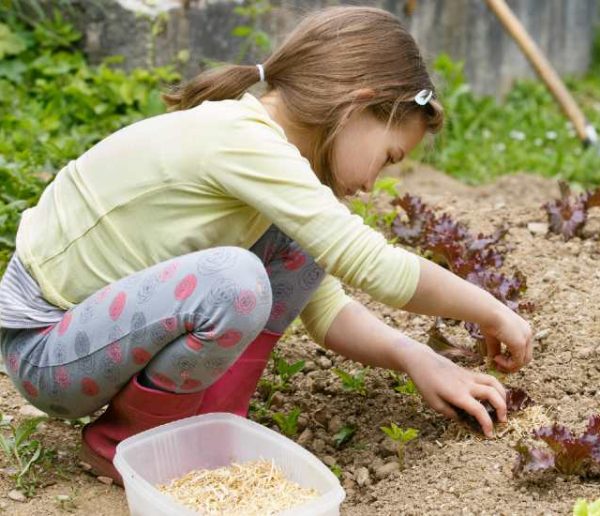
<point x="183" y="322"/>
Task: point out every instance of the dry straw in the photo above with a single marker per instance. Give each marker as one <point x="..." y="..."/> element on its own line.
<point x="252" y="488"/>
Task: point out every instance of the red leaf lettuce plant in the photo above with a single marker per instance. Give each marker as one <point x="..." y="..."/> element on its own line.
<point x="566" y="453"/>
<point x="568" y="215"/>
<point x="474" y="257"/>
<point x="516" y="400"/>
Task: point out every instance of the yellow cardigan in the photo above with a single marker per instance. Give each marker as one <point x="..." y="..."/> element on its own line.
<point x="217" y="174"/>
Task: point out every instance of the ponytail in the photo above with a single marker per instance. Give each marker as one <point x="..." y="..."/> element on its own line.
<point x="225" y="82"/>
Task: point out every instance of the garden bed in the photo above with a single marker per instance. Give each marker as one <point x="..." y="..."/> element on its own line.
<point x="447" y="469"/>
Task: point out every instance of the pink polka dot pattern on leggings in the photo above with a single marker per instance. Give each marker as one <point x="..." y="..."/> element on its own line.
<point x="140" y="355"/>
<point x="117" y="306"/>
<point x="293" y="260"/>
<point x="113" y="350"/>
<point x="168" y="271"/>
<point x="162" y="380"/>
<point x="190" y="384"/>
<point x="45" y="330"/>
<point x="65" y="322"/>
<point x="62" y="377"/>
<point x="185" y="288"/>
<point x="245" y="302"/>
<point x="278" y="309"/>
<point x="229" y="338"/>
<point x="13" y="361"/>
<point x="193" y="342"/>
<point x="30" y="389"/>
<point x="169" y="324"/>
<point x="89" y="387"/>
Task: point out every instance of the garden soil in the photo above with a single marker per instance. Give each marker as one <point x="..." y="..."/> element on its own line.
<point x="447" y="469"/>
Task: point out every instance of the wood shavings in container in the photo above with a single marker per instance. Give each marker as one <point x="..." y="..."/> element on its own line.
<point x="251" y="488"/>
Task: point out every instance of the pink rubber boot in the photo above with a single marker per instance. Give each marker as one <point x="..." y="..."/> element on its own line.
<point x="134" y="408"/>
<point x="232" y="392"/>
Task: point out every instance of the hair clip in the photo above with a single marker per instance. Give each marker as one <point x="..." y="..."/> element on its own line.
<point x="423" y="97"/>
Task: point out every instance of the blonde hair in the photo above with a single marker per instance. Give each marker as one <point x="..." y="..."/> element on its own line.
<point x="317" y="69"/>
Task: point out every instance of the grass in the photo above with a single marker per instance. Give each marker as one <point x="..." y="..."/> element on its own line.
<point x="485" y="138"/>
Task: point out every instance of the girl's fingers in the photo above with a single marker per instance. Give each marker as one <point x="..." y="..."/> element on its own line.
<point x="439" y="405"/>
<point x="485" y="392"/>
<point x="486" y="379"/>
<point x="492" y="345"/>
<point x="506" y="363"/>
<point x="477" y="410"/>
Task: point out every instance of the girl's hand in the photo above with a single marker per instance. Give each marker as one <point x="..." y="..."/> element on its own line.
<point x="443" y="383"/>
<point x="505" y="326"/>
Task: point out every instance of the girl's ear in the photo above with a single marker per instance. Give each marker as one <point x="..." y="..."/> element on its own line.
<point x="363" y="94"/>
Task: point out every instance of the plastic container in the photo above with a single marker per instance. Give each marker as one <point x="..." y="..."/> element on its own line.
<point x="211" y="441"/>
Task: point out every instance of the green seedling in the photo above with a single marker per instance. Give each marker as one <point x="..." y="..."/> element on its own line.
<point x="336" y="470"/>
<point x="367" y="209"/>
<point x="404" y="386"/>
<point x="287" y="423"/>
<point x="27" y="455"/>
<point x="284" y="371"/>
<point x="344" y="435"/>
<point x="400" y="436"/>
<point x="584" y="508"/>
<point x="353" y="382"/>
<point x="259" y="412"/>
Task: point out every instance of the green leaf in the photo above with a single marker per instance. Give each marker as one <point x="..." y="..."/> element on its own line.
<point x="386" y="184"/>
<point x="26" y="429"/>
<point x="344" y="435"/>
<point x="11" y="44"/>
<point x="241" y="31"/>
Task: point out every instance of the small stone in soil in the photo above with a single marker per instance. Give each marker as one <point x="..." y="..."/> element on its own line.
<point x="538" y="228"/>
<point x="362" y="477"/>
<point x="318" y="445"/>
<point x="542" y="334"/>
<point x="335" y="424"/>
<point x="105" y="480"/>
<point x="328" y="460"/>
<point x="31" y="411"/>
<point x="277" y="399"/>
<point x="85" y="466"/>
<point x="387" y="469"/>
<point x="305" y="437"/>
<point x="324" y="362"/>
<point x="17" y="496"/>
<point x="309" y="366"/>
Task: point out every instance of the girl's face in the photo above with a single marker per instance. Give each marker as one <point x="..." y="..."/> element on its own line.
<point x="364" y="147"/>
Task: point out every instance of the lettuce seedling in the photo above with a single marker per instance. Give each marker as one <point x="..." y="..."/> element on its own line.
<point x="404" y="386"/>
<point x="474" y="257"/>
<point x="353" y="382"/>
<point x="516" y="400"/>
<point x="287" y="423"/>
<point x="584" y="508"/>
<point x="568" y="215"/>
<point x="566" y="453"/>
<point x="401" y="436"/>
<point x="344" y="435"/>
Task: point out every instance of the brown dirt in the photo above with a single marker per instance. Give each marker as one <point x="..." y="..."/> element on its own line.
<point x="447" y="470"/>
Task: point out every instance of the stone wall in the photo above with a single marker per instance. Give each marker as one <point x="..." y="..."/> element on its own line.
<point x="189" y="32"/>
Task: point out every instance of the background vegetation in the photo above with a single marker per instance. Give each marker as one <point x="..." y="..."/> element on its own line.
<point x="53" y="106"/>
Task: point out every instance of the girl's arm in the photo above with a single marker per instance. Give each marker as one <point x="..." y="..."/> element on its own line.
<point x="442" y="293"/>
<point x="359" y="335"/>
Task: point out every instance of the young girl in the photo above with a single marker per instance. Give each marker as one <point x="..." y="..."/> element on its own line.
<point x="159" y="268"/>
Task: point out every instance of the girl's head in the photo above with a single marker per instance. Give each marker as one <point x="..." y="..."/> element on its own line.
<point x="342" y="71"/>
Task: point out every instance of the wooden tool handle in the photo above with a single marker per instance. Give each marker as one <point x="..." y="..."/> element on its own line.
<point x="543" y="67"/>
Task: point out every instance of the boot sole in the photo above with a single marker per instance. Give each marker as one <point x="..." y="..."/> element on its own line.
<point x="101" y="467"/>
